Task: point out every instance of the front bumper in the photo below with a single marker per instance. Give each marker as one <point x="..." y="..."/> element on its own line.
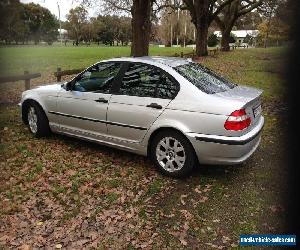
<point x="216" y="149"/>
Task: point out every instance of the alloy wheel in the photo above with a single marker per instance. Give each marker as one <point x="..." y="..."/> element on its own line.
<point x="170" y="154"/>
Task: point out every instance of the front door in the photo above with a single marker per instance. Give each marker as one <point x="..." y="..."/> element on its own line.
<point x="82" y="110"/>
<point x="143" y="94"/>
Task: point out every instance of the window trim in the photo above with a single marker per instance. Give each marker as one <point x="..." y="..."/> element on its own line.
<point x="124" y="70"/>
<point x="73" y="81"/>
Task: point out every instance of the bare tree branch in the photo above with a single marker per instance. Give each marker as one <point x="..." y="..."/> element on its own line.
<point x="220" y="8"/>
<point x="252" y="6"/>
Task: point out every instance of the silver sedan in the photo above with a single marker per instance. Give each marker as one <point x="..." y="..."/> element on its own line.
<point x="173" y="110"/>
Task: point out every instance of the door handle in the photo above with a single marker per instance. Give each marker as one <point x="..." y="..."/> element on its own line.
<point x="101" y="100"/>
<point x="154" y="105"/>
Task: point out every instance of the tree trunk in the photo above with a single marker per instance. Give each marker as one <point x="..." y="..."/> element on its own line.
<point x="141" y="27"/>
<point x="201" y="38"/>
<point x="225" y="40"/>
<point x="267" y="33"/>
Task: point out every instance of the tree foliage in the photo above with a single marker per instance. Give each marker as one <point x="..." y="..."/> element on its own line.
<point x="212" y="40"/>
<point x="23" y="22"/>
<point x="77" y="20"/>
<point x="275" y="25"/>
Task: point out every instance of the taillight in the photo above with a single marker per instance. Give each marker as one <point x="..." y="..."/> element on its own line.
<point x="238" y="120"/>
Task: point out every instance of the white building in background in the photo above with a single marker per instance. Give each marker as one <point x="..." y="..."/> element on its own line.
<point x="241" y="35"/>
<point x="63" y="34"/>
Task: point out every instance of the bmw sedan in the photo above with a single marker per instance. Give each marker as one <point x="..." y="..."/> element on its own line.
<point x="175" y="111"/>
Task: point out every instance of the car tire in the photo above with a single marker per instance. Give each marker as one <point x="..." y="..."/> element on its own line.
<point x="37" y="120"/>
<point x="173" y="154"/>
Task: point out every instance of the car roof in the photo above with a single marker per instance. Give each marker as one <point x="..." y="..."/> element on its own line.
<point x="169" y="61"/>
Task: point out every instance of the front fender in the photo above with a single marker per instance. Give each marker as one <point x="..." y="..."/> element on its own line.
<point x="33" y="96"/>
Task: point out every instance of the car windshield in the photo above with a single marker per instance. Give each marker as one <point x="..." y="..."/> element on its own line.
<point x="204" y="79"/>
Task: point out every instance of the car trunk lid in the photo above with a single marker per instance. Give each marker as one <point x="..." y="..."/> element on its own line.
<point x="249" y="99"/>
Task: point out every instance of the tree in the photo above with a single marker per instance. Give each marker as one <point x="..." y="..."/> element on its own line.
<point x="41" y="23"/>
<point x="141" y="12"/>
<point x="13" y="27"/>
<point x="230" y="14"/>
<point x="203" y="12"/>
<point x="249" y="21"/>
<point x="275" y="31"/>
<point x="177" y="22"/>
<point x="268" y="10"/>
<point x="141" y="27"/>
<point x="49" y="27"/>
<point x="77" y="19"/>
<point x="109" y="29"/>
<point x="125" y="31"/>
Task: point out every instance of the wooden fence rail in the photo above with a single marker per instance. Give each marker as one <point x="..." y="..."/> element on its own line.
<point x="59" y="73"/>
<point x="26" y="77"/>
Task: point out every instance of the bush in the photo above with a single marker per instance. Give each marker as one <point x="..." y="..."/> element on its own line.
<point x="212" y="40"/>
<point x="232" y="38"/>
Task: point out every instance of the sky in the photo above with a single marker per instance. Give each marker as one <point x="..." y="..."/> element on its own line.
<point x="65" y="6"/>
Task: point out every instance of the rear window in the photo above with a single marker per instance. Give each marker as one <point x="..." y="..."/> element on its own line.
<point x="204" y="79"/>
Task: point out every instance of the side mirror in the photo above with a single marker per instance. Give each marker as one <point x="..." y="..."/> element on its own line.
<point x="68" y="86"/>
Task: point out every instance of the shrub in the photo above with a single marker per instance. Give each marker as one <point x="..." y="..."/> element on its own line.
<point x="212" y="40"/>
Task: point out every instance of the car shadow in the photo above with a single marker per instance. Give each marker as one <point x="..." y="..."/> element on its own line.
<point x="200" y="170"/>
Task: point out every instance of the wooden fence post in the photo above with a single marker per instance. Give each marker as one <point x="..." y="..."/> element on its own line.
<point x="58" y="74"/>
<point x="27" y="81"/>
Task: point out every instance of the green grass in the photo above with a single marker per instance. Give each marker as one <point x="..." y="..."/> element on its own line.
<point x="47" y="58"/>
<point x="259" y="67"/>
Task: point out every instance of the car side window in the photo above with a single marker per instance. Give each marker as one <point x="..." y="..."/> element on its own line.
<point x="98" y="78"/>
<point x="147" y="81"/>
<point x="140" y="80"/>
<point x="167" y="87"/>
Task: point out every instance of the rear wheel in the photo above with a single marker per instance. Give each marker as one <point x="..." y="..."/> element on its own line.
<point x="173" y="154"/>
<point x="37" y="121"/>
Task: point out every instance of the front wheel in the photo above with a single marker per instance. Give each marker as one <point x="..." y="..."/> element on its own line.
<point x="37" y="120"/>
<point x="173" y="154"/>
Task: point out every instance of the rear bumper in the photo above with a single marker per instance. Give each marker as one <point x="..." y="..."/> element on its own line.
<point x="215" y="149"/>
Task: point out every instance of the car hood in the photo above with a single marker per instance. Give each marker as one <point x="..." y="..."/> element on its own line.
<point x="55" y="86"/>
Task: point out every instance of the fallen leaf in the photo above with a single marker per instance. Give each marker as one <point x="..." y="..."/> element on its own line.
<point x="26" y="247"/>
<point x="4" y="238"/>
<point x="203" y="199"/>
<point x="274" y="209"/>
<point x="197" y="190"/>
<point x="181" y="199"/>
<point x="58" y="246"/>
<point x="183" y="241"/>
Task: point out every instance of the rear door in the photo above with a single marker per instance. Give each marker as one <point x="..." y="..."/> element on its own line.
<point x="82" y="110"/>
<point x="142" y="95"/>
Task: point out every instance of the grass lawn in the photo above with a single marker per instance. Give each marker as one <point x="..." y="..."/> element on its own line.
<point x="62" y="192"/>
<point x="47" y="58"/>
